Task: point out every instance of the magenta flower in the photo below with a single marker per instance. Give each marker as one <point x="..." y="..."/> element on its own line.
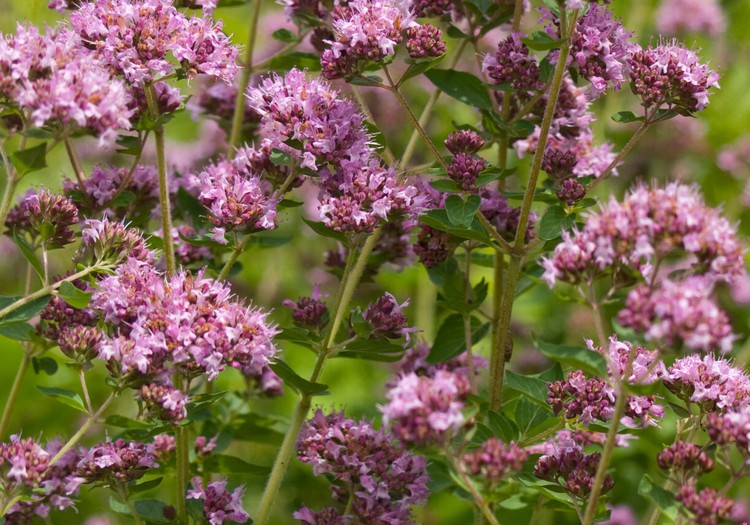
<point x="714" y="384"/>
<point x="691" y="16"/>
<point x="117" y="462"/>
<point x="219" y="505"/>
<point x="44" y="218"/>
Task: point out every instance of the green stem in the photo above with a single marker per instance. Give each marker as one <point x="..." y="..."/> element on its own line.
<point x="75" y="163"/>
<point x="46" y="290"/>
<point x="349" y="281"/>
<point x="499" y="355"/>
<point x="161" y="161"/>
<point x="467" y="325"/>
<point x="11" y="183"/>
<point x="609" y="444"/>
<point x="549" y="115"/>
<point x="479" y="501"/>
<point x="122" y="491"/>
<point x="424" y="117"/>
<point x="247" y="71"/>
<point x="621" y="154"/>
<point x="10" y="504"/>
<point x="13" y="395"/>
<point x="81" y="431"/>
<point x="410" y="114"/>
<point x="236" y="252"/>
<point x="182" y="464"/>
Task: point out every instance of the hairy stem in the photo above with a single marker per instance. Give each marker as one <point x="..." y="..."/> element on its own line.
<point x="46" y="290"/>
<point x="182" y="464"/>
<point x="11" y="183"/>
<point x="247" y="71"/>
<point x="621" y="154"/>
<point x="467" y="325"/>
<point x="161" y="161"/>
<point x="81" y="431"/>
<point x="500" y="349"/>
<point x="122" y="491"/>
<point x="75" y="163"/>
<point x="479" y="501"/>
<point x="393" y="88"/>
<point x="236" y="252"/>
<point x="349" y="282"/>
<point x="424" y="117"/>
<point x="14" y="390"/>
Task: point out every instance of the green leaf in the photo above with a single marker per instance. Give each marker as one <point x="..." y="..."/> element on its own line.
<point x="446" y="185"/>
<point x="297" y="59"/>
<point x="152" y="510"/>
<point x="296" y="382"/>
<point x="541" y="41"/>
<point x="24" y="312"/>
<point x="450" y="340"/>
<point x="29" y="254"/>
<point x="554" y="222"/>
<point x="663" y="499"/>
<point x="574" y="357"/>
<point x="502" y="427"/>
<point x="44" y="364"/>
<point x="190" y="207"/>
<point x="438" y="219"/>
<point x="129" y="145"/>
<point x="144" y="486"/>
<point x="417" y="67"/>
<point x="322" y="229"/>
<point x="222" y="464"/>
<point x="66" y="397"/>
<point x="73" y="295"/>
<point x="482" y="5"/>
<point x="462" y="86"/>
<point x="528" y="415"/>
<point x="533" y="388"/>
<point x="20" y="331"/>
<point x="461" y="212"/>
<point x="117" y="420"/>
<point x="625" y="117"/>
<point x="284" y="35"/>
<point x="122" y="200"/>
<point x="256" y="428"/>
<point x="30" y="159"/>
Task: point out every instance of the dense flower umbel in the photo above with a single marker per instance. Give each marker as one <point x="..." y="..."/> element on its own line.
<point x="572" y="469"/>
<point x="425" y="8"/>
<point x="647" y="226"/>
<point x="731" y="428"/>
<point x="714" y="384"/>
<point x="387" y="319"/>
<point x="45" y="218"/>
<point x="117" y="462"/>
<point x="110" y="28"/>
<point x="494" y="460"/>
<point x="309" y="311"/>
<point x="107" y="182"/>
<point x="164" y="402"/>
<point x="326" y="516"/>
<point x="112" y="242"/>
<point x="219" y="505"/>
<point x="424" y="41"/>
<point x="671" y="76"/>
<point x="513" y="65"/>
<point x="386" y="480"/>
<point x="679" y="311"/>
<point x="643" y="369"/>
<point x="691" y="16"/>
<point x="685" y="459"/>
<point x="25" y="468"/>
<point x="464" y="141"/>
<point x="426" y="410"/>
<point x="59" y="84"/>
<point x="600" y="49"/>
<point x="329" y="127"/>
<point x="236" y="199"/>
<point x="589" y="399"/>
<point x="706" y="507"/>
<point x="187" y="321"/>
<point x="365" y="30"/>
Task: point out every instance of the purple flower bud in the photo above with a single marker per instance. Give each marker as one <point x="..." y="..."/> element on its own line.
<point x="571" y="191"/>
<point x="219" y="505"/>
<point x="464" y="169"/>
<point x="117" y="462"/>
<point x="464" y="141"/>
<point x="424" y="41"/>
<point x="45" y="218"/>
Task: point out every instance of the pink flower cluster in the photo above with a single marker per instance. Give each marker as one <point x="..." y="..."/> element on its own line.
<point x="59" y="84"/>
<point x="219" y="505"/>
<point x="136" y="38"/>
<point x="364" y="30"/>
<point x="237" y="198"/>
<point x="679" y="311"/>
<point x="385" y="479"/>
<point x="111" y="242"/>
<point x="426" y="409"/>
<point x="643" y="229"/>
<point x="691" y="16"/>
<point x="116" y="462"/>
<point x="494" y="460"/>
<point x="645" y="367"/>
<point x="44" y="218"/>
<point x="714" y="384"/>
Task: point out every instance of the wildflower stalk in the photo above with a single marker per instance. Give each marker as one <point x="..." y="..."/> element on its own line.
<point x="11" y="183"/>
<point x="247" y="71"/>
<point x="349" y="281"/>
<point x="161" y="160"/>
<point x="182" y="459"/>
<point x="14" y="390"/>
<point x="479" y="501"/>
<point x="47" y="290"/>
<point x="122" y="491"/>
<point x="499" y="354"/>
<point x="609" y="443"/>
<point x="75" y="163"/>
<point x="621" y="154"/>
<point x="467" y="325"/>
<point x="81" y="431"/>
<point x="236" y="252"/>
<point x="428" y="108"/>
